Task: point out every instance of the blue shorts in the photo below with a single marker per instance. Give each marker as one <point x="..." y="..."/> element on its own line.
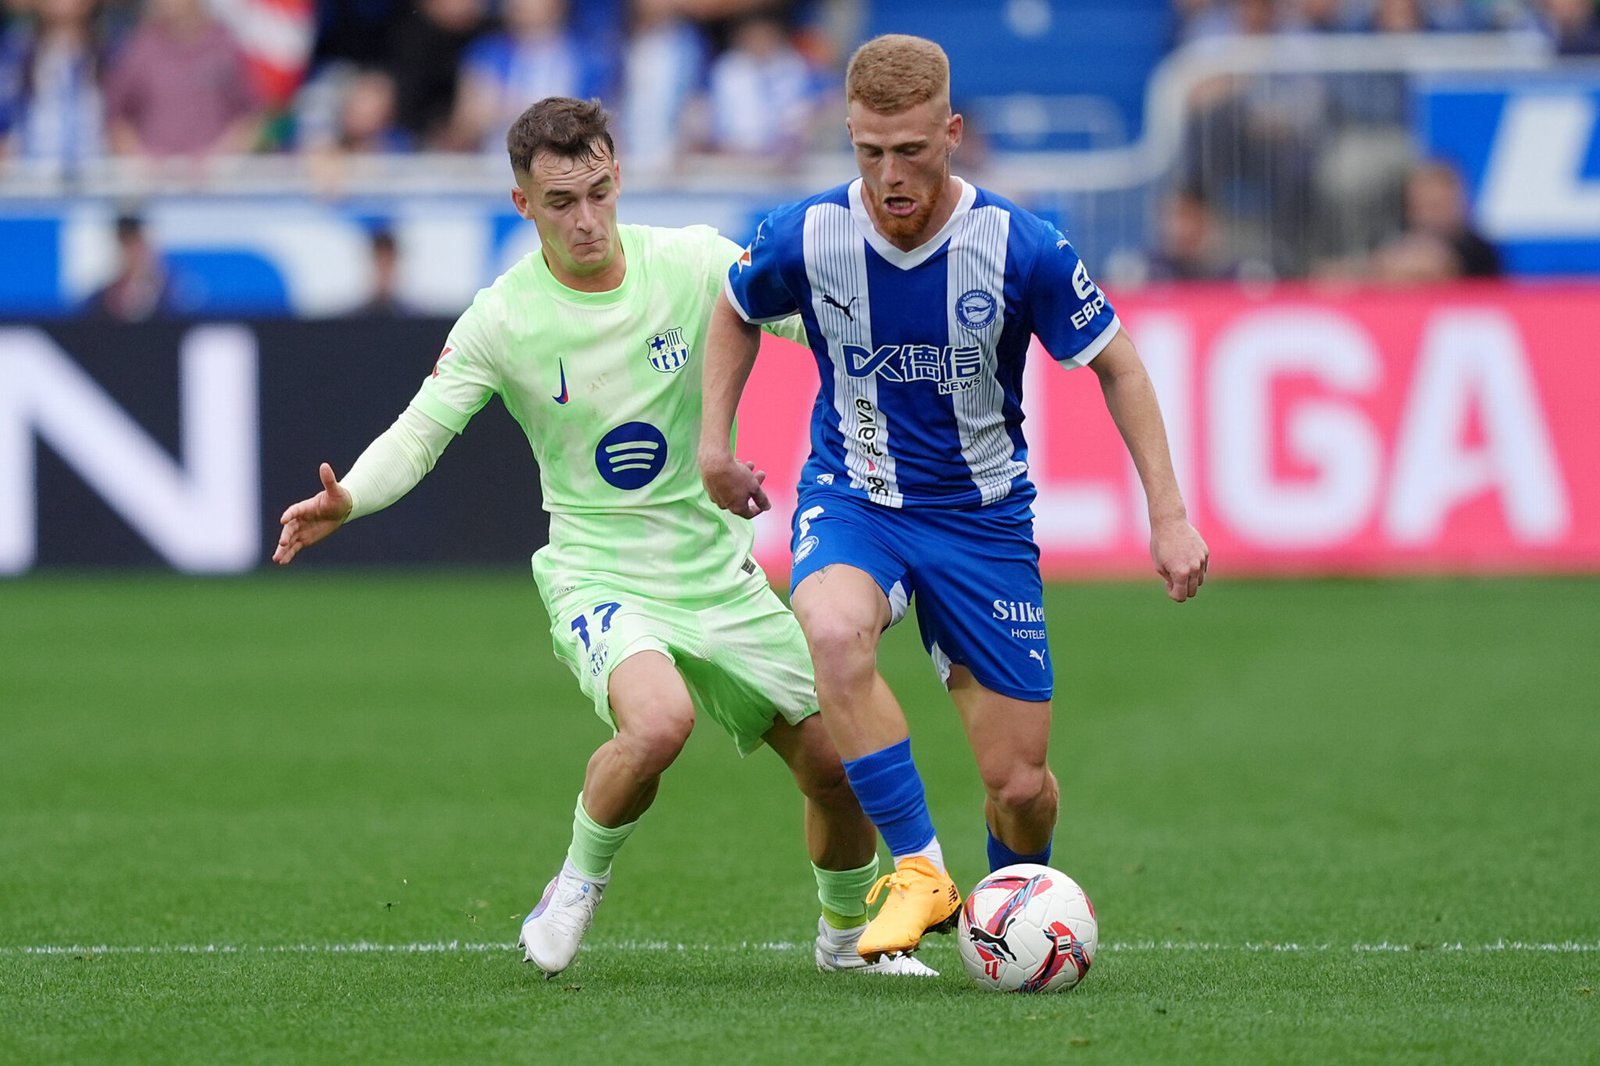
<point x="973" y="575"/>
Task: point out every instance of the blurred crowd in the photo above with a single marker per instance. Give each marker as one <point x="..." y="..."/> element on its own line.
<point x="1281" y="175"/>
<point x="1572" y="25"/>
<point x="1315" y="174"/>
<point x="188" y="79"/>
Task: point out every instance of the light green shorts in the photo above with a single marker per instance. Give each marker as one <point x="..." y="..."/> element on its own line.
<point x="744" y="661"/>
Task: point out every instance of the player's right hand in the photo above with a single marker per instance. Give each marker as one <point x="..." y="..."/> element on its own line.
<point x="735" y="486"/>
<point x="311" y="520"/>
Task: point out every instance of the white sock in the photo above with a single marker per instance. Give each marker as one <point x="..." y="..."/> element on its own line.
<point x="930" y="851"/>
<point x="569" y="870"/>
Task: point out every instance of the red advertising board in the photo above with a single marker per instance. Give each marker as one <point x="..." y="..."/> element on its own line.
<point x="1314" y="431"/>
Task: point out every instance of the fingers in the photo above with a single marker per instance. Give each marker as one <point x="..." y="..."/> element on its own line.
<point x="760" y="498"/>
<point x="1183" y="583"/>
<point x="288" y="545"/>
<point x="329" y="482"/>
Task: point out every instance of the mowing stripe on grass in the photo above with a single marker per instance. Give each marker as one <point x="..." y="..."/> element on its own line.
<point x="447" y="947"/>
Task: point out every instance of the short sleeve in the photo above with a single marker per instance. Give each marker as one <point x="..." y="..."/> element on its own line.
<point x="464" y="376"/>
<point x="1068" y="312"/>
<point x="756" y="287"/>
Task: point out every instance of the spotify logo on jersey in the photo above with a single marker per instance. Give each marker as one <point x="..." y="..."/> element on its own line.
<point x="630" y="456"/>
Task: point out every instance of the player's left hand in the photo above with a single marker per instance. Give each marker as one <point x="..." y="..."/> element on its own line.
<point x="735" y="485"/>
<point x="1181" y="558"/>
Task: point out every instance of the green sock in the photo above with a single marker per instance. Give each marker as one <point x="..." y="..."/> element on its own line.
<point x="594" y="845"/>
<point x="844" y="894"/>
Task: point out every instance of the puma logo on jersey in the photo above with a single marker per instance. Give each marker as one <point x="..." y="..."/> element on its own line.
<point x="1035" y="653"/>
<point x="844" y="308"/>
<point x="561" y="397"/>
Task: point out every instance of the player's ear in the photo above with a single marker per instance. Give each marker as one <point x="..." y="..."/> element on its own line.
<point x="519" y="200"/>
<point x="954" y="129"/>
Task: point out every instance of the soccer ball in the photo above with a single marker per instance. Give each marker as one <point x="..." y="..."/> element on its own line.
<point x="1027" y="928"/>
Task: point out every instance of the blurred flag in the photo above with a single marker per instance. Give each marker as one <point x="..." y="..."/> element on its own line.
<point x="276" y="36"/>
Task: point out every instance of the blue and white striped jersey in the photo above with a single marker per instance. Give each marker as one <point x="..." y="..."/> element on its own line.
<point x="921" y="352"/>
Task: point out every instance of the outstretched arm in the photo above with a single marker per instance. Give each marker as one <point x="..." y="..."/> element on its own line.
<point x="1180" y="555"/>
<point x="390" y="467"/>
<point x="731" y="347"/>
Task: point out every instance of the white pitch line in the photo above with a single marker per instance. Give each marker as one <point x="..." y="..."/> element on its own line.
<point x="458" y="947"/>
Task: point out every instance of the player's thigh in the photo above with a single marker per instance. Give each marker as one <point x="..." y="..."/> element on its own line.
<point x="594" y="629"/>
<point x="980" y="604"/>
<point x="756" y="670"/>
<point x="1010" y="738"/>
<point x="848" y="572"/>
<point x="650" y="702"/>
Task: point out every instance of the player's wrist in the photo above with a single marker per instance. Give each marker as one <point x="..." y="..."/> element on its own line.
<point x="712" y="456"/>
<point x="1169" y="518"/>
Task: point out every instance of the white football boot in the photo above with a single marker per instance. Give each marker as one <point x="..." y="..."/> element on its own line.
<point x="836" y="950"/>
<point x="554" y="928"/>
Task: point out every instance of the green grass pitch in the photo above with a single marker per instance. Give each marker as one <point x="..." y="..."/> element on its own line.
<point x="297" y="818"/>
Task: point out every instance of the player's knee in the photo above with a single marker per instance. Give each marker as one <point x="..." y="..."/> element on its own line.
<point x="822" y="780"/>
<point x="1023" y="789"/>
<point x="841" y="644"/>
<point x="654" y="735"/>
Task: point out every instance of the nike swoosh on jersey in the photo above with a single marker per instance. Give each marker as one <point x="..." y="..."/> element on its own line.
<point x="561" y="397"/>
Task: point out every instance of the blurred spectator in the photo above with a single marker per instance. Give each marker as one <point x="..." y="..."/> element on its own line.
<point x="1320" y="16"/>
<point x="50" y="102"/>
<point x="1438" y="242"/>
<point x="663" y="69"/>
<point x="425" y="60"/>
<point x="1223" y="19"/>
<point x="1574" y="25"/>
<point x="385" y="301"/>
<point x="181" y="87"/>
<point x="353" y="31"/>
<point x="1367" y="146"/>
<point x="1193" y="246"/>
<point x="1250" y="146"/>
<point x="532" y="57"/>
<point x="142" y="287"/>
<point x="762" y="93"/>
<point x="346" y="110"/>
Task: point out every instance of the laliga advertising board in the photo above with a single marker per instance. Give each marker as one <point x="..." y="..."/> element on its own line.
<point x="1313" y="431"/>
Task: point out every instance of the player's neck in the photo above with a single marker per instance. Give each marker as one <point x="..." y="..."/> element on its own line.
<point x="604" y="281"/>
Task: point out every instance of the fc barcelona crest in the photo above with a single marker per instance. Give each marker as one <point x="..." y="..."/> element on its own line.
<point x="668" y="352"/>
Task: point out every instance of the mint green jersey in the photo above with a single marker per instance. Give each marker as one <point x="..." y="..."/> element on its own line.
<point x="606" y="386"/>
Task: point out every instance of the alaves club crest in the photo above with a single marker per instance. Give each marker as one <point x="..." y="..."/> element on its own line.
<point x="668" y="352"/>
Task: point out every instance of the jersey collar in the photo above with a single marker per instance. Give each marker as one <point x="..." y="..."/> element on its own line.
<point x="917" y="256"/>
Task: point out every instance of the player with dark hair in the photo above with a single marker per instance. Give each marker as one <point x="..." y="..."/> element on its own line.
<point x="920" y="295"/>
<point x="594" y="344"/>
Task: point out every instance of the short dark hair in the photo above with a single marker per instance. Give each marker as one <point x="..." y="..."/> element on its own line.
<point x="562" y="126"/>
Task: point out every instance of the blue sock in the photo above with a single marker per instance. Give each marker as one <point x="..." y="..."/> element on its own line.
<point x="890" y="790"/>
<point x="1000" y="855"/>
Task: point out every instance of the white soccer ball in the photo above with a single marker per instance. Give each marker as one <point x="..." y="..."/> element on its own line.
<point x="1027" y="928"/>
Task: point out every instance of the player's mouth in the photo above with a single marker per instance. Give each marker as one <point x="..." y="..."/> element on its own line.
<point x="900" y="206"/>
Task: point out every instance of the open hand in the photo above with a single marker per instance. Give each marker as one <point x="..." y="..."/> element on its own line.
<point x="311" y="520"/>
